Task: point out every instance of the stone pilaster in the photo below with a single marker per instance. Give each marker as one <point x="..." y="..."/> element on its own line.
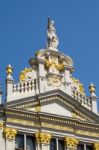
<point x="9" y="135"/>
<point x="41" y="77"/>
<point x="43" y="141"/>
<point x="96" y="146"/>
<point x="2" y="141"/>
<point x="67" y="81"/>
<point x="71" y="143"/>
<point x="93" y="97"/>
<point x="9" y="83"/>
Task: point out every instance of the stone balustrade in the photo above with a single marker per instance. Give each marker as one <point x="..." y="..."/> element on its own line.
<point x="29" y="88"/>
<point x="21" y="89"/>
<point x="24" y="87"/>
<point x="83" y="99"/>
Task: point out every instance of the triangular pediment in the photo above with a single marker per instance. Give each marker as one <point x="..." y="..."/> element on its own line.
<point x="53" y="108"/>
<point x="57" y="103"/>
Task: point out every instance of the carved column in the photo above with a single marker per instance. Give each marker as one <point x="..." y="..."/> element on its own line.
<point x="71" y="143"/>
<point x="43" y="141"/>
<point x="9" y="135"/>
<point x="96" y="146"/>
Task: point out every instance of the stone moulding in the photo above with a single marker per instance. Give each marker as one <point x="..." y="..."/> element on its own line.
<point x="69" y="121"/>
<point x="53" y="126"/>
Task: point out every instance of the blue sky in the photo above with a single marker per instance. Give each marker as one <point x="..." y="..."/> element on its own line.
<point x="23" y="26"/>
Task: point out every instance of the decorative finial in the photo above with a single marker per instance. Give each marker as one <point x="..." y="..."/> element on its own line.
<point x="52" y="41"/>
<point x="9" y="70"/>
<point x="92" y="89"/>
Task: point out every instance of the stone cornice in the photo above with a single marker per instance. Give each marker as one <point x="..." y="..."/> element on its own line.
<point x="60" y="120"/>
<point x="53" y="127"/>
<point x="64" y="100"/>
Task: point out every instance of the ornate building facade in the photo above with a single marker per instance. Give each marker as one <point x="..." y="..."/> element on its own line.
<point x="48" y="108"/>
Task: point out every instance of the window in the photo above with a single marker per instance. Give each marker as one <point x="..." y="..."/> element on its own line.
<point x="24" y="142"/>
<point x="53" y="144"/>
<point x="30" y="145"/>
<point x="57" y="144"/>
<point x="80" y="147"/>
<point x="89" y="147"/>
<point x="19" y="142"/>
<point x="84" y="147"/>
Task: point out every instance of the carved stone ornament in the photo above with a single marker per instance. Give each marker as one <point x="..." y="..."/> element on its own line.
<point x="54" y="80"/>
<point x="71" y="142"/>
<point x="9" y="133"/>
<point x="43" y="138"/>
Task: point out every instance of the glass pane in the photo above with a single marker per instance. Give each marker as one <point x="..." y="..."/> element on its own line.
<point x="19" y="142"/>
<point x="53" y="144"/>
<point x="60" y="145"/>
<point x="89" y="147"/>
<point x="30" y="143"/>
<point x="80" y="147"/>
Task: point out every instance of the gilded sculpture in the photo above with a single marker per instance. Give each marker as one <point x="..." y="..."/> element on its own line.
<point x="50" y="63"/>
<point x="78" y="85"/>
<point x="9" y="69"/>
<point x="24" y="73"/>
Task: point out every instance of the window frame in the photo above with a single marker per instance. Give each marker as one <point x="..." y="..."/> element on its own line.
<point x="85" y="144"/>
<point x="24" y="140"/>
<point x="57" y="142"/>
